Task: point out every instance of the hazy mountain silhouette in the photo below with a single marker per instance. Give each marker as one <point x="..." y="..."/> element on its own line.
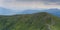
<point x="4" y="11"/>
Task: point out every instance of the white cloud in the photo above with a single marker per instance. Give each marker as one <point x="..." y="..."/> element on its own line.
<point x="13" y="4"/>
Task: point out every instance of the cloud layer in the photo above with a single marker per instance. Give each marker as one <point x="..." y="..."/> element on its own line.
<point x="29" y="4"/>
<point x="14" y="6"/>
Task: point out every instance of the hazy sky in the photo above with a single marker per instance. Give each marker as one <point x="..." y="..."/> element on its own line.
<point x="29" y="4"/>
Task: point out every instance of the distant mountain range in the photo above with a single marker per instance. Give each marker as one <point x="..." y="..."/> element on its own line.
<point x="4" y="11"/>
<point x="51" y="11"/>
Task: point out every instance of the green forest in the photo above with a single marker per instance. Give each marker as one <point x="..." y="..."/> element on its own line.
<point x="35" y="21"/>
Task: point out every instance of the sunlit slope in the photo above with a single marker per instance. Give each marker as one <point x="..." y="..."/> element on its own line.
<point x="37" y="21"/>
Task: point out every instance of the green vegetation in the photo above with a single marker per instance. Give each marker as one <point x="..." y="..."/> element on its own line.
<point x="37" y="21"/>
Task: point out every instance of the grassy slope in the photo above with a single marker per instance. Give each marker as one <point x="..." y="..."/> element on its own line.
<point x="38" y="21"/>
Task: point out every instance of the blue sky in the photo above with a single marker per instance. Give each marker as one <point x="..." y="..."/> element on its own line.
<point x="20" y="5"/>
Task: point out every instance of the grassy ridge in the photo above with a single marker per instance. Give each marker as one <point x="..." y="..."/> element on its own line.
<point x="37" y="21"/>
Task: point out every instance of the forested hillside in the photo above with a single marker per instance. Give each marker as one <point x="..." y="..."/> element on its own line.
<point x="36" y="21"/>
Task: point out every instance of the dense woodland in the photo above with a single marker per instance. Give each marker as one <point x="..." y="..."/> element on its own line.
<point x="36" y="21"/>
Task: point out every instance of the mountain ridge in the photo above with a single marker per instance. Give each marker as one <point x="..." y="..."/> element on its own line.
<point x="36" y="21"/>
